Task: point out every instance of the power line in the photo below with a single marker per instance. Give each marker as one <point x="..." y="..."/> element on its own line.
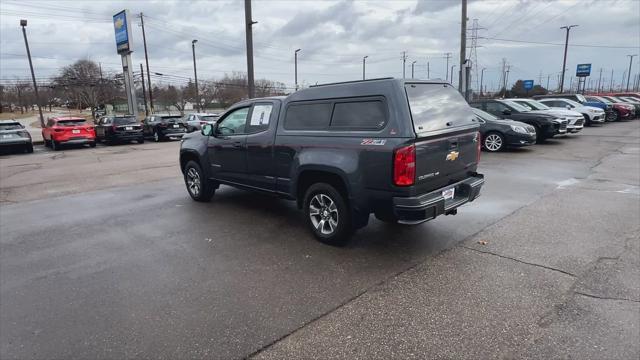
<point x="559" y="44"/>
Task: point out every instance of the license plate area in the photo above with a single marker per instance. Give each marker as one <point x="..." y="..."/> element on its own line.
<point x="128" y="128"/>
<point x="75" y="131"/>
<point x="175" y="126"/>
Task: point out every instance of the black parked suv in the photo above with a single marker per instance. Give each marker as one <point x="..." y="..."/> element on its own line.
<point x="547" y="126"/>
<point x="162" y="127"/>
<point x="406" y="151"/>
<point x="114" y="129"/>
<point x="498" y="134"/>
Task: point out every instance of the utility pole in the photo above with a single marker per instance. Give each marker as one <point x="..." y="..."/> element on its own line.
<point x="144" y="92"/>
<point x="463" y="49"/>
<point x="564" y="60"/>
<point x="629" y="72"/>
<point x="452" y="66"/>
<point x="481" y="79"/>
<point x="624" y="74"/>
<point x="295" y="66"/>
<point x="570" y="83"/>
<point x="412" y="73"/>
<point x="506" y="80"/>
<point x="195" y="72"/>
<point x="23" y="24"/>
<point x="404" y="63"/>
<point x="599" y="80"/>
<point x="364" y="65"/>
<point x="446" y="69"/>
<point x="249" y="34"/>
<point x="428" y="74"/>
<point x="612" y="82"/>
<point x="548" y="77"/>
<point x="540" y="77"/>
<point x="146" y="59"/>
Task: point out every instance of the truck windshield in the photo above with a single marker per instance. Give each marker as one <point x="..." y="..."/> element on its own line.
<point x="437" y="107"/>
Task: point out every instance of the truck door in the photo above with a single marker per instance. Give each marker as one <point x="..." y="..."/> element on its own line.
<point x="227" y="147"/>
<point x="261" y="131"/>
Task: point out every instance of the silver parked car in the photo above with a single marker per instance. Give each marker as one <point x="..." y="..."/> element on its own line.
<point x="194" y="121"/>
<point x="14" y="135"/>
<point x="575" y="120"/>
<point x="591" y="114"/>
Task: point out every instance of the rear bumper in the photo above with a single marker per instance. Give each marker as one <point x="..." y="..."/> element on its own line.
<point x="77" y="141"/>
<point x="166" y="133"/>
<point x="126" y="136"/>
<point x="418" y="209"/>
<point x="14" y="142"/>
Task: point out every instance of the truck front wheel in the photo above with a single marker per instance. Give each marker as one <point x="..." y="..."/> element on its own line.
<point x="198" y="186"/>
<point x="328" y="214"/>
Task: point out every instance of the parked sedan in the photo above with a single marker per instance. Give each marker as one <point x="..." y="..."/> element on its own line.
<point x="68" y="130"/>
<point x="621" y="111"/>
<point x="13" y="135"/>
<point x="592" y="115"/>
<point x="114" y="129"/>
<point x="620" y="100"/>
<point x="546" y="125"/>
<point x="162" y="127"/>
<point x="579" y="98"/>
<point x="575" y="120"/>
<point x="498" y="134"/>
<point x="196" y="120"/>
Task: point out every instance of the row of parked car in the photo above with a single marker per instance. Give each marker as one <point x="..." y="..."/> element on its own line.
<point x="520" y="122"/>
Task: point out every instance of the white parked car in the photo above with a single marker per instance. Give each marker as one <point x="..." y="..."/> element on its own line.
<point x="575" y="120"/>
<point x="194" y="121"/>
<point x="592" y="114"/>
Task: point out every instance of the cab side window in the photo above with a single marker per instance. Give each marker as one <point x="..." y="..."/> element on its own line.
<point x="260" y="117"/>
<point x="234" y="123"/>
<point x="495" y="108"/>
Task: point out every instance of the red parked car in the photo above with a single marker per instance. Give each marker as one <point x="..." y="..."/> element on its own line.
<point x="67" y="130"/>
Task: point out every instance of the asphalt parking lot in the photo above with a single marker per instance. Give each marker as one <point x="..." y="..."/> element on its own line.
<point x="104" y="255"/>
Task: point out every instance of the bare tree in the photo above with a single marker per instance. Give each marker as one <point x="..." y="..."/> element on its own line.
<point x="81" y="80"/>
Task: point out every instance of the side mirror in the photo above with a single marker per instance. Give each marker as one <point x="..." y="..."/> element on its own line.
<point x="207" y="130"/>
<point x="506" y="112"/>
<point x="569" y="107"/>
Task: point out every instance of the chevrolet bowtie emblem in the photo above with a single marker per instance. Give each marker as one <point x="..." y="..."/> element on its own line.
<point x="452" y="156"/>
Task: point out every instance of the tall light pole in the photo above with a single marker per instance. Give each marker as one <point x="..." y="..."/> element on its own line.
<point x="248" y="23"/>
<point x="146" y="59"/>
<point x="564" y="60"/>
<point x="23" y="24"/>
<point x="629" y="72"/>
<point x="364" y="64"/>
<point x="452" y="66"/>
<point x="195" y="73"/>
<point x="295" y="66"/>
<point x="463" y="50"/>
<point x="412" y="73"/>
<point x="481" y="79"/>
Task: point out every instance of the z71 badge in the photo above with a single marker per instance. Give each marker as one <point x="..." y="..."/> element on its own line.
<point x="373" y="142"/>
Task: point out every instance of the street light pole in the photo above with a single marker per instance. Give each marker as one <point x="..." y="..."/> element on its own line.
<point x="412" y="73"/>
<point x="564" y="60"/>
<point x="481" y="79"/>
<point x="364" y="64"/>
<point x="629" y="72"/>
<point x="248" y="22"/>
<point x="295" y="66"/>
<point x="23" y="24"/>
<point x="452" y="66"/>
<point x="195" y="73"/>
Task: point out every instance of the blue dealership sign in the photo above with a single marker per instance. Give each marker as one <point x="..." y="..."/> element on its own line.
<point x="583" y="70"/>
<point x="528" y="84"/>
<point x="122" y="30"/>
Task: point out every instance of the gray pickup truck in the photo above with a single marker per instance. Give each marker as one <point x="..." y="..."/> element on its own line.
<point x="404" y="150"/>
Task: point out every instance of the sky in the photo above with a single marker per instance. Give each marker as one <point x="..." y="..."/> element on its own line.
<point x="333" y="36"/>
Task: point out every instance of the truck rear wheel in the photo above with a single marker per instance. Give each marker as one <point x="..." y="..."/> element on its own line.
<point x="327" y="214"/>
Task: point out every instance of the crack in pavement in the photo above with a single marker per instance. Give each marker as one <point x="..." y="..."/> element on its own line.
<point x="605" y="297"/>
<point x="520" y="261"/>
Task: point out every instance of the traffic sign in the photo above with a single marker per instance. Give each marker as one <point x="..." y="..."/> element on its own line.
<point x="583" y="70"/>
<point x="528" y="84"/>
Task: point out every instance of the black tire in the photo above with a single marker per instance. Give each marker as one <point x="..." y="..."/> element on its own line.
<point x="587" y="120"/>
<point x="198" y="187"/>
<point x="29" y="148"/>
<point x="141" y="141"/>
<point x="327" y="214"/>
<point x="618" y="116"/>
<point x="46" y="142"/>
<point x="540" y="137"/>
<point x="92" y="144"/>
<point x="493" y="142"/>
<point x="156" y="136"/>
<point x="55" y="146"/>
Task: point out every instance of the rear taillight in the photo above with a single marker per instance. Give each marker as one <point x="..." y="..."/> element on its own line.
<point x="478" y="146"/>
<point x="404" y="166"/>
<point x="24" y="134"/>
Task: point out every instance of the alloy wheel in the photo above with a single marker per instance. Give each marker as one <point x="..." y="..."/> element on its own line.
<point x="324" y="214"/>
<point x="493" y="142"/>
<point x="193" y="182"/>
